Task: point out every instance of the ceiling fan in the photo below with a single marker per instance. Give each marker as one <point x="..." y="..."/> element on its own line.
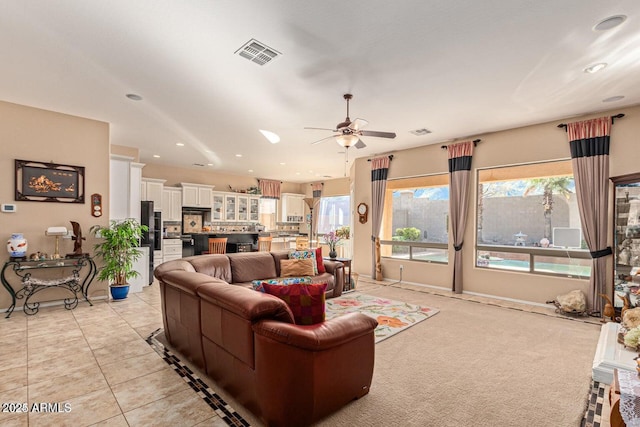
<point x="349" y="132"/>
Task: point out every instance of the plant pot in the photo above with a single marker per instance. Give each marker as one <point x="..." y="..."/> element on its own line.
<point x="333" y="254"/>
<point x="119" y="292"/>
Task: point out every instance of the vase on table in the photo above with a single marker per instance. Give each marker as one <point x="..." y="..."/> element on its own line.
<point x="332" y="253"/>
<point x="17" y="246"/>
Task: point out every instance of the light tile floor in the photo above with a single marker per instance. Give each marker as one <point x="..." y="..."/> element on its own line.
<point x="96" y="360"/>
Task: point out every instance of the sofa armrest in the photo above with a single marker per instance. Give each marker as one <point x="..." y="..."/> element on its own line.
<point x="321" y="336"/>
<point x="337" y="269"/>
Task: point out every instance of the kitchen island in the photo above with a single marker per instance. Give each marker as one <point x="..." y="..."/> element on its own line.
<point x="237" y="241"/>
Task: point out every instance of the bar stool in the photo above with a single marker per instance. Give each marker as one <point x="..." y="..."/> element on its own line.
<point x="217" y="245"/>
<point x="302" y="243"/>
<point x="264" y="244"/>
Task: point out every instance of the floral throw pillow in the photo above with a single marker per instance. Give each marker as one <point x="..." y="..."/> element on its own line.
<point x="304" y="255"/>
<point x="305" y="301"/>
<point x="285" y="281"/>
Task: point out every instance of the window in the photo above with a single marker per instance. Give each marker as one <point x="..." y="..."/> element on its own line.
<point x="333" y="213"/>
<point x="416" y="219"/>
<point x="268" y="213"/>
<point x="528" y="220"/>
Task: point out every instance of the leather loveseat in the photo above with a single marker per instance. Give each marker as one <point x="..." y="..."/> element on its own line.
<point x="248" y="342"/>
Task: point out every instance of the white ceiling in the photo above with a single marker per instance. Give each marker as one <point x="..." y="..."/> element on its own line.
<point x="458" y="68"/>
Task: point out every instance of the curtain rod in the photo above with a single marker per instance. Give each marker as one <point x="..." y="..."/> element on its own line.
<point x="613" y="120"/>
<point x="258" y="179"/>
<point x="475" y="143"/>
<point x="390" y="158"/>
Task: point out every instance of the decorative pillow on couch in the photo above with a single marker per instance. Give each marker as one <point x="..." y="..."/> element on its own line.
<point x="297" y="267"/>
<point x="311" y="253"/>
<point x="320" y="261"/>
<point x="257" y="284"/>
<point x="305" y="301"/>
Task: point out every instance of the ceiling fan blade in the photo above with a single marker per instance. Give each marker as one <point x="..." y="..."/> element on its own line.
<point x="360" y="144"/>
<point x="358" y="124"/>
<point x="377" y="134"/>
<point x="332" y="130"/>
<point x="323" y="139"/>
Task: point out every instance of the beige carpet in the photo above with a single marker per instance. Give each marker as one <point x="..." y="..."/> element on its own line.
<point x="474" y="365"/>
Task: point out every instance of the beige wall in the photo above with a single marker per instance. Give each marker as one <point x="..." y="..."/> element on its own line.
<point x="174" y="176"/>
<point x="44" y="136"/>
<point x="522" y="145"/>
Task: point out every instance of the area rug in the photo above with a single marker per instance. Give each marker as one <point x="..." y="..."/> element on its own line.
<point x="392" y="316"/>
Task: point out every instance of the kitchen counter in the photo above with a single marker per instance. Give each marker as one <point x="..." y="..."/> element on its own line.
<point x="237" y="241"/>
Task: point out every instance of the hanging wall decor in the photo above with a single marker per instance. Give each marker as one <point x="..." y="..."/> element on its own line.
<point x="48" y="182"/>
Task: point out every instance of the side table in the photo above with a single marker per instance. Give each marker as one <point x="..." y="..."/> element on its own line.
<point x="348" y="283"/>
<point x="76" y="283"/>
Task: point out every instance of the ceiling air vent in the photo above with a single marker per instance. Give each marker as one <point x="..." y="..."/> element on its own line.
<point x="420" y="132"/>
<point x="257" y="52"/>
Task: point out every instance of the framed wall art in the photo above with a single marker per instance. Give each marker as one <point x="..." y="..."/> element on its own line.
<point x="49" y="182"/>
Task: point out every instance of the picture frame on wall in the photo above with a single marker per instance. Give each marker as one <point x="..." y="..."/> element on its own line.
<point x="48" y="182"/>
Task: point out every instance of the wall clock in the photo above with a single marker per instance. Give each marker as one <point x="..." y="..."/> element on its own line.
<point x="96" y="205"/>
<point x="363" y="211"/>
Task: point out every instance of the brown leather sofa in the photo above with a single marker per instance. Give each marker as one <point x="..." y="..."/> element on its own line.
<point x="247" y="341"/>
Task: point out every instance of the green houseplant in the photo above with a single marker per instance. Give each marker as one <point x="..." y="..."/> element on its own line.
<point x="119" y="250"/>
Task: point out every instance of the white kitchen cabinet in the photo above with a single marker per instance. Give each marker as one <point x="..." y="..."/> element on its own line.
<point x="217" y="206"/>
<point x="171" y="249"/>
<point x="243" y="208"/>
<point x="151" y="189"/>
<point x="171" y="204"/>
<point x="196" y="195"/>
<point x="291" y="207"/>
<point x="230" y="207"/>
<point x="254" y="209"/>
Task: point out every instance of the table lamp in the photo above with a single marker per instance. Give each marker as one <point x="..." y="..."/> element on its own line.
<point x="57" y="232"/>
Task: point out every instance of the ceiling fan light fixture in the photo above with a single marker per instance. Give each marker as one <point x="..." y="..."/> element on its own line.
<point x="347" y="141"/>
<point x="271" y="137"/>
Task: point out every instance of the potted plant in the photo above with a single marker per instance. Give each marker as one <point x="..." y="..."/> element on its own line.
<point x="119" y="250"/>
<point x="332" y="239"/>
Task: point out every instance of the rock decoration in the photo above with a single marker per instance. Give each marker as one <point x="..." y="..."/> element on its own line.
<point x="631" y="318"/>
<point x="575" y="302"/>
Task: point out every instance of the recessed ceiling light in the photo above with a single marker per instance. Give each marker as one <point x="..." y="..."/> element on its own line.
<point x="271" y="137"/>
<point x="250" y="170"/>
<point x="238" y="155"/>
<point x="180" y="144"/>
<point x="134" y="97"/>
<point x="282" y="163"/>
<point x="209" y="164"/>
<point x="613" y="98"/>
<point x="297" y="173"/>
<point x="595" y="68"/>
<point x="610" y="22"/>
<point x="157" y="156"/>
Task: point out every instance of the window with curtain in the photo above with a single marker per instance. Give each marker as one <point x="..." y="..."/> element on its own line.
<point x="528" y="220"/>
<point x="333" y="212"/>
<point x="268" y="213"/>
<point x="416" y="219"/>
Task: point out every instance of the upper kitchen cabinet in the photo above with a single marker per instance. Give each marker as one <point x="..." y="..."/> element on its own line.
<point x="196" y="195"/>
<point x="230" y="207"/>
<point x="291" y="207"/>
<point x="254" y="208"/>
<point x="151" y="190"/>
<point x="217" y="208"/>
<point x="171" y="204"/>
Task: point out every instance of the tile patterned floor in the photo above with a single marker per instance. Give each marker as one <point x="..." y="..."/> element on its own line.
<point x="96" y="360"/>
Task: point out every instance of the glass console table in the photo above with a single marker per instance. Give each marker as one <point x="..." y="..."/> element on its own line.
<point x="78" y="273"/>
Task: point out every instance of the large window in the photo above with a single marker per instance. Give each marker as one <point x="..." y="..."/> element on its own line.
<point x="416" y="219"/>
<point x="333" y="213"/>
<point x="528" y="220"/>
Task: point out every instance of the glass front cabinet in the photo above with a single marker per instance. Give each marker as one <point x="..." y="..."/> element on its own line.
<point x="626" y="242"/>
